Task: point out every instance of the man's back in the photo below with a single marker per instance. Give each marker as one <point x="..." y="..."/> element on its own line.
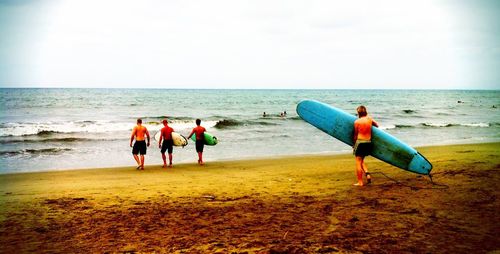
<point x="140" y="132"/>
<point x="199" y="130"/>
<point x="363" y="128"/>
<point x="166" y="132"/>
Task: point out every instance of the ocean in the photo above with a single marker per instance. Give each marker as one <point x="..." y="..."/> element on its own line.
<point x="54" y="129"/>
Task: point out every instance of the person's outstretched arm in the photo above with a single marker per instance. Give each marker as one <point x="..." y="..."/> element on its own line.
<point x="191" y="134"/>
<point x="161" y="138"/>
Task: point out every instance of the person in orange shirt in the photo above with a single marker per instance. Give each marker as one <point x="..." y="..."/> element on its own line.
<point x="200" y="139"/>
<point x="138" y="133"/>
<point x="362" y="143"/>
<point x="168" y="143"/>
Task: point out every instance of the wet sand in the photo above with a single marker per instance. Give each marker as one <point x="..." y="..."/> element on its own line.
<point x="300" y="204"/>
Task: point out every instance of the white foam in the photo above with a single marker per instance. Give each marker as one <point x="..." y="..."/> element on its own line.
<point x="179" y="126"/>
<point x="22" y="129"/>
<point x="437" y="124"/>
<point x="483" y="125"/>
<point x="476" y="125"/>
<point x="388" y="127"/>
<point x="99" y="126"/>
<point x="188" y="125"/>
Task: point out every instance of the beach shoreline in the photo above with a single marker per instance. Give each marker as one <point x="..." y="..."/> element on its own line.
<point x="245" y="158"/>
<point x="288" y="204"/>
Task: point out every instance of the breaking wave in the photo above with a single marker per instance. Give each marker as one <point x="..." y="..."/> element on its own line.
<point x="230" y="123"/>
<point x="44" y="151"/>
<point x="433" y="125"/>
<point x="409" y="111"/>
<point x="48" y="129"/>
<point x="440" y="125"/>
<point x="50" y="140"/>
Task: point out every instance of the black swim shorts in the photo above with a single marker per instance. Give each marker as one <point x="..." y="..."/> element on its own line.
<point x="139" y="147"/>
<point x="167" y="144"/>
<point x="362" y="148"/>
<point x="199" y="146"/>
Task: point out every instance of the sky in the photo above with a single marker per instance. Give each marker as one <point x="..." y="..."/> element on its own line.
<point x="289" y="44"/>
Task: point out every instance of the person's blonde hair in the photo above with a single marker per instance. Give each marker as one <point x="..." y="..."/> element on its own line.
<point x="362" y="111"/>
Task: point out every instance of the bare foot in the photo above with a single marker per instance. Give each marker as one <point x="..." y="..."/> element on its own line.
<point x="164" y="166"/>
<point x="170" y="166"/>
<point x="358" y="184"/>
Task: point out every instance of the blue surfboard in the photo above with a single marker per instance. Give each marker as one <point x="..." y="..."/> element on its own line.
<point x="340" y="125"/>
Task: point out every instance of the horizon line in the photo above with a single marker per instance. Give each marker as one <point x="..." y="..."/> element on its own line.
<point x="249" y="89"/>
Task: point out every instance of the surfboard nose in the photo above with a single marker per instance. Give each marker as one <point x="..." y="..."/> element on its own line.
<point x="419" y="164"/>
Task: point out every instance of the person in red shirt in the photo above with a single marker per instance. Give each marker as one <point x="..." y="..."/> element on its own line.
<point x="199" y="131"/>
<point x="138" y="133"/>
<point x="168" y="143"/>
<point x="362" y="143"/>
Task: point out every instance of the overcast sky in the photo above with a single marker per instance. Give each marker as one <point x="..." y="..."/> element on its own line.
<point x="427" y="44"/>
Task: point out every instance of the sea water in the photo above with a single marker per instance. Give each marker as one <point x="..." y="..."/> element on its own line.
<point x="53" y="129"/>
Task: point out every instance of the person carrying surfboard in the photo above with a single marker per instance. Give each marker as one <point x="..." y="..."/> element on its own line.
<point x="199" y="131"/>
<point x="138" y="133"/>
<point x="362" y="143"/>
<point x="167" y="144"/>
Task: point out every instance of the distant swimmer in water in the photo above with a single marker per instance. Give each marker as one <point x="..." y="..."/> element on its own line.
<point x="362" y="143"/>
<point x="264" y="114"/>
<point x="283" y="114"/>
<point x="199" y="131"/>
<point x="167" y="144"/>
<point x="138" y="133"/>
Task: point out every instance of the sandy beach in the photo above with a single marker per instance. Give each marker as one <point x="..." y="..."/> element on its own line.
<point x="300" y="204"/>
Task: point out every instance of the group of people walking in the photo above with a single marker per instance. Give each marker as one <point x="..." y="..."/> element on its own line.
<point x="140" y="134"/>
<point x="361" y="137"/>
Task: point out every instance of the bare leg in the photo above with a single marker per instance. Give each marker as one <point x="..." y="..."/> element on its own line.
<point x="142" y="162"/>
<point x="136" y="157"/>
<point x="359" y="170"/>
<point x="365" y="169"/>
<point x="200" y="158"/>
<point x="169" y="159"/>
<point x="164" y="157"/>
